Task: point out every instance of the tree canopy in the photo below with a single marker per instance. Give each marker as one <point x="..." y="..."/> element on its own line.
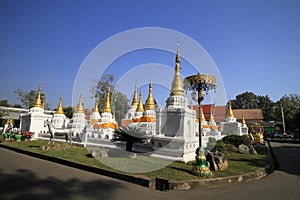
<point x="28" y="98"/>
<point x="272" y="110"/>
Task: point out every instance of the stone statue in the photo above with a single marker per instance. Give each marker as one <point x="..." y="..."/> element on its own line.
<point x="58" y="132"/>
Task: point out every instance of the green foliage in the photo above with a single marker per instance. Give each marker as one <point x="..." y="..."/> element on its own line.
<point x="4" y="103"/>
<point x="272" y="110"/>
<point x="119" y="105"/>
<point x="68" y="111"/>
<point x="291" y="109"/>
<point x="249" y="100"/>
<point x="28" y="98"/>
<point x="236" y="140"/>
<point x="238" y="163"/>
<point x="220" y="147"/>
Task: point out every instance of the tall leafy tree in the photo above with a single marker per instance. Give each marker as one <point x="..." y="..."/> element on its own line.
<point x="266" y="105"/>
<point x="28" y="98"/>
<point x="69" y="111"/>
<point x="247" y="100"/>
<point x="4" y="103"/>
<point x="119" y="105"/>
<point x="291" y="110"/>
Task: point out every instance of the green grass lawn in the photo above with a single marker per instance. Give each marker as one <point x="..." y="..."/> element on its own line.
<point x="238" y="163"/>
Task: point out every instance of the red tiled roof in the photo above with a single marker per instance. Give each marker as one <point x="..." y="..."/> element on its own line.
<point x="249" y="114"/>
<point x="220" y="113"/>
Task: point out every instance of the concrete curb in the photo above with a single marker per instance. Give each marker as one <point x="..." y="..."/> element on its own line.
<point x="160" y="183"/>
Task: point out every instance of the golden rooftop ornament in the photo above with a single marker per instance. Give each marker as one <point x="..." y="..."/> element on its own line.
<point x="230" y="112"/>
<point x="59" y="109"/>
<point x="96" y="109"/>
<point x="177" y="85"/>
<point x="38" y="102"/>
<point x="150" y="101"/>
<point x="80" y="106"/>
<point x="135" y="98"/>
<point x="140" y="107"/>
<point x="107" y="108"/>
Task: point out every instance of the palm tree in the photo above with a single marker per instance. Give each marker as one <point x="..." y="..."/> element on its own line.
<point x="130" y="135"/>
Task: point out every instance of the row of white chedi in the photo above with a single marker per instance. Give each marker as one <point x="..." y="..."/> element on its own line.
<point x="136" y="113"/>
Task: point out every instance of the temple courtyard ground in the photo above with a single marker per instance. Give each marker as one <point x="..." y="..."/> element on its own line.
<point x="25" y="177"/>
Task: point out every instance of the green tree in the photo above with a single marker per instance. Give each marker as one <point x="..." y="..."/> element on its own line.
<point x="130" y="135"/>
<point x="4" y="103"/>
<point x="28" y="98"/>
<point x="247" y="100"/>
<point x="119" y="105"/>
<point x="100" y="88"/>
<point x="266" y="105"/>
<point x="69" y="111"/>
<point x="291" y="110"/>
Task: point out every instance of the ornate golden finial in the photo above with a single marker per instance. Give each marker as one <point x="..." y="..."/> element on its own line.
<point x="38" y="102"/>
<point x="80" y="105"/>
<point x="229" y="112"/>
<point x="140" y="107"/>
<point x="178" y="55"/>
<point x="59" y="109"/>
<point x="96" y="109"/>
<point x="135" y="98"/>
<point x="202" y="115"/>
<point x="243" y="120"/>
<point x="177" y="85"/>
<point x="150" y="101"/>
<point x="211" y="118"/>
<point x="107" y="108"/>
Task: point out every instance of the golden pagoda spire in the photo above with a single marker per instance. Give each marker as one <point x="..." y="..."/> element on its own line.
<point x="177" y="85"/>
<point x="211" y="118"/>
<point x="135" y="98"/>
<point x="96" y="109"/>
<point x="150" y="101"/>
<point x="80" y="106"/>
<point x="202" y="115"/>
<point x="243" y="119"/>
<point x="140" y="107"/>
<point x="38" y="102"/>
<point x="59" y="109"/>
<point x="107" y="108"/>
<point x="229" y="112"/>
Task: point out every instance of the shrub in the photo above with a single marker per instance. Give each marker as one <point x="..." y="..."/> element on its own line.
<point x="231" y="148"/>
<point x="236" y="140"/>
<point x="220" y="147"/>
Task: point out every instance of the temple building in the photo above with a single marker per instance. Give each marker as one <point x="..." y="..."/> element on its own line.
<point x="95" y="116"/>
<point x="33" y="121"/>
<point x="78" y="121"/>
<point x="231" y="126"/>
<point x="59" y="119"/>
<point x="106" y="126"/>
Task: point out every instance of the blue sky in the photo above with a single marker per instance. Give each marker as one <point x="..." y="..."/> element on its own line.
<point x="255" y="44"/>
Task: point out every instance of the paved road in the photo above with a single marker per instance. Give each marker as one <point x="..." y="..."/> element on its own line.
<point x="24" y="177"/>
